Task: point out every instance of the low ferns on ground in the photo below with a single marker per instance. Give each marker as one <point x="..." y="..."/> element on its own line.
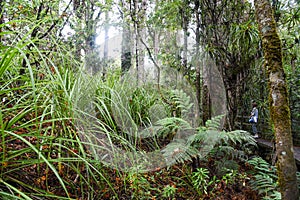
<point x="265" y="179"/>
<point x="204" y="141"/>
<point x="190" y="142"/>
<point x="231" y="143"/>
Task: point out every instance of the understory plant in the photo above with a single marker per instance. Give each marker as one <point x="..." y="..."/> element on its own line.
<point x="201" y="180"/>
<point x="42" y="156"/>
<point x="207" y="141"/>
<point x="265" y="179"/>
<point x="62" y="130"/>
<point x="169" y="191"/>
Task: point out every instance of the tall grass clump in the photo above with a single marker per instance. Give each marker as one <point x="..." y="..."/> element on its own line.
<point x="41" y="154"/>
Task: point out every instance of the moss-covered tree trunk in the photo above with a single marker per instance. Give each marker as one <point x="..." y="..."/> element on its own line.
<point x="278" y="99"/>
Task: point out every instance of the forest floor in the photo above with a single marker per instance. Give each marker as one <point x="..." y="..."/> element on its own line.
<point x="166" y="183"/>
<point x="151" y="185"/>
<point x="39" y="163"/>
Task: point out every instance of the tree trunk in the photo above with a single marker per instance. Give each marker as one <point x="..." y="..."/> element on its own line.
<point x="77" y="9"/>
<point x="139" y="19"/>
<point x="198" y="82"/>
<point x="106" y="37"/>
<point x="218" y="21"/>
<point x="278" y="100"/>
<point x="185" y="24"/>
<point x="143" y="37"/>
<point x="126" y="54"/>
<point x="126" y="50"/>
<point x="206" y="104"/>
<point x="231" y="94"/>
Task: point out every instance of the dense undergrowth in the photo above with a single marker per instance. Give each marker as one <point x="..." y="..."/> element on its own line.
<point x="43" y="154"/>
<point x="61" y="139"/>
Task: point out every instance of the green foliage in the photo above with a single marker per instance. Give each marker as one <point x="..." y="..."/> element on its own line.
<point x="230" y="177"/>
<point x="181" y="101"/>
<point x="214" y="123"/>
<point x="172" y="125"/>
<point x="265" y="181"/>
<point x="226" y="168"/>
<point x="139" y="104"/>
<point x="243" y="36"/>
<point x="169" y="191"/>
<point x="205" y="141"/>
<point x="262" y="166"/>
<point x="167" y="14"/>
<point x="178" y="151"/>
<point x="289" y="28"/>
<point x="206" y="184"/>
<point x="139" y="185"/>
<point x="48" y="103"/>
<point x="221" y="139"/>
<point x="40" y="149"/>
<point x="201" y="180"/>
<point x="129" y="104"/>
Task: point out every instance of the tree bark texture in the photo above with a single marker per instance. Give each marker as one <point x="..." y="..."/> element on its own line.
<point x="278" y="100"/>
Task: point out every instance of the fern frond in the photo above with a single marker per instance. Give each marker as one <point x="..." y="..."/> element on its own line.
<point x="178" y="152"/>
<point x="222" y="138"/>
<point x="265" y="181"/>
<point x="203" y="136"/>
<point x="264" y="184"/>
<point x="181" y="100"/>
<point x="214" y="123"/>
<point x="205" y="140"/>
<point x="174" y="122"/>
<point x="262" y="166"/>
<point x="171" y="125"/>
<point x="274" y="196"/>
<point x="237" y="137"/>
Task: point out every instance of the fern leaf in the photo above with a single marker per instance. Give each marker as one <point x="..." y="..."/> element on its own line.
<point x="214" y="123"/>
<point x="178" y="152"/>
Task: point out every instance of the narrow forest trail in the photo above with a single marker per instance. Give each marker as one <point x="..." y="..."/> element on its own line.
<point x="270" y="145"/>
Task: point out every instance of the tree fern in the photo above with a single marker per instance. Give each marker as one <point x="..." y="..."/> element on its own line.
<point x="229" y="152"/>
<point x="237" y="137"/>
<point x="211" y="134"/>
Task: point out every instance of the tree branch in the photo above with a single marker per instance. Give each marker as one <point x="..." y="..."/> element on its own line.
<point x="55" y="22"/>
